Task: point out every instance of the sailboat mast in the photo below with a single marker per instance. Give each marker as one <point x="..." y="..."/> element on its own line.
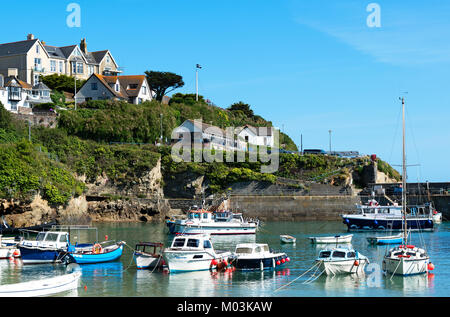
<point x="405" y="229"/>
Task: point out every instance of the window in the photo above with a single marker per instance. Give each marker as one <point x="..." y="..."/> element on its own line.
<point x="117" y="87"/>
<point x="2" y="81"/>
<point x="325" y="254"/>
<point x="90" y="69"/>
<point x="205" y="216"/>
<point x="36" y="79"/>
<point x="178" y="243"/>
<point x="144" y="90"/>
<point x="338" y="254"/>
<point x="51" y="237"/>
<point x="87" y="98"/>
<point x="63" y="238"/>
<point x="60" y="67"/>
<point x="37" y="49"/>
<point x="94" y="86"/>
<point x="132" y="86"/>
<point x="37" y="64"/>
<point x="13" y="105"/>
<point x="207" y="244"/>
<point x="80" y="68"/>
<point x="244" y="250"/>
<point x="140" y="100"/>
<point x="53" y="66"/>
<point x="192" y="243"/>
<point x="351" y="254"/>
<point x="108" y="59"/>
<point x="40" y="236"/>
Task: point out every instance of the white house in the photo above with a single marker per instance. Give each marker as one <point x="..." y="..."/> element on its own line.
<point x="134" y="89"/>
<point x="209" y="136"/>
<point x="259" y="136"/>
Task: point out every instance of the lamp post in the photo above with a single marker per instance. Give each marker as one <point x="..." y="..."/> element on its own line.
<point x="329" y="131"/>
<point x="74" y="69"/>
<point x="161" y="138"/>
<point x="197" y="67"/>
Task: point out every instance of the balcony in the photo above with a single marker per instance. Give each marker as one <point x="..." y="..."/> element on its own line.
<point x="15" y="95"/>
<point x="39" y="69"/>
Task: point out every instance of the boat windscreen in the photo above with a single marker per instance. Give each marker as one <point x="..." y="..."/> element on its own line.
<point x="338" y="254"/>
<point x="192" y="243"/>
<point x="40" y="236"/>
<point x="324" y="254"/>
<point x="244" y="250"/>
<point x="178" y="242"/>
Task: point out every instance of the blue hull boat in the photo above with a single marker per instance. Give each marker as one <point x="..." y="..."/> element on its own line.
<point x="107" y="254"/>
<point x="38" y="256"/>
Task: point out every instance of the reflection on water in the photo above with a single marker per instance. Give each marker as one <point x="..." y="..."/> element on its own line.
<point x="410" y="285"/>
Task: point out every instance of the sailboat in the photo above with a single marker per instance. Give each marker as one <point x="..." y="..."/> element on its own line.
<point x="405" y="259"/>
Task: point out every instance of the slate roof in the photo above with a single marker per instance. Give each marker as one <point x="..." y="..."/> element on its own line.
<point x="54" y="52"/>
<point x="259" y="131"/>
<point x="14" y="48"/>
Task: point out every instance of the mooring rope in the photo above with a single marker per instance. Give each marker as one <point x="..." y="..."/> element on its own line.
<point x="315" y="265"/>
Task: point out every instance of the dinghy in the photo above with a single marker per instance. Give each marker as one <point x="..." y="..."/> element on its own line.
<point x="395" y="239"/>
<point x="287" y="239"/>
<point x="148" y="255"/>
<point x="332" y="239"/>
<point x="97" y="253"/>
<point x="42" y="287"/>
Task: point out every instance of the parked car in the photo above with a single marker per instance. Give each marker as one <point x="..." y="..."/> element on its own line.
<point x="314" y="151"/>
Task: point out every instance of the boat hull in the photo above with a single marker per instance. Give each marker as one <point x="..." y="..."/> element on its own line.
<point x="92" y="258"/>
<point x="342" y="267"/>
<point x="335" y="239"/>
<point x="287" y="239"/>
<point x="368" y="224"/>
<point x="7" y="252"/>
<point x="268" y="263"/>
<point x="385" y="240"/>
<point x="42" y="287"/>
<point x="186" y="261"/>
<point x="212" y="230"/>
<point x="144" y="261"/>
<point x="36" y="255"/>
<point x="404" y="266"/>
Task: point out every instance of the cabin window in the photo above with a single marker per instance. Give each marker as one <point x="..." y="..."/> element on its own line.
<point x="411" y="253"/>
<point x="52" y="237"/>
<point x="244" y="250"/>
<point x="198" y="256"/>
<point x="192" y="243"/>
<point x="338" y="254"/>
<point x="258" y="249"/>
<point x="398" y="253"/>
<point x="207" y="244"/>
<point x="205" y="216"/>
<point x="178" y="242"/>
<point x="350" y="254"/>
<point x="63" y="238"/>
<point x="40" y="236"/>
<point x="265" y="248"/>
<point x="325" y="254"/>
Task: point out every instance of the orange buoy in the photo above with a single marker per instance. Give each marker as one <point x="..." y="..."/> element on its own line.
<point x="85" y="287"/>
<point x="430" y="266"/>
<point x="356" y="263"/>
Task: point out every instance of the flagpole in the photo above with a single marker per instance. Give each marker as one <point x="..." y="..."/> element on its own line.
<point x="196" y="83"/>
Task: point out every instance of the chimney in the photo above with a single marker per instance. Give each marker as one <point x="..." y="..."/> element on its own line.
<point x="13" y="72"/>
<point x="83" y="46"/>
<point x="43" y="43"/>
<point x="30" y="37"/>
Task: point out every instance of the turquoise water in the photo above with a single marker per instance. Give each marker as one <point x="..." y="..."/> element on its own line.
<point x="121" y="278"/>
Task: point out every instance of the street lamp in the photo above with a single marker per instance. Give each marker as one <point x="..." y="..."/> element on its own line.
<point x="197" y="67"/>
<point x="161" y="138"/>
<point x="329" y="131"/>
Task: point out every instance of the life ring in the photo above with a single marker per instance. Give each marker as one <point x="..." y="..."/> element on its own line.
<point x="97" y="248"/>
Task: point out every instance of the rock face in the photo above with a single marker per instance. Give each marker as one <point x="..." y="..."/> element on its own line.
<point x="184" y="185"/>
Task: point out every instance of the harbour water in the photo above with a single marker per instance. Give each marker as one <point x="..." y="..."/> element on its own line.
<point x="121" y="278"/>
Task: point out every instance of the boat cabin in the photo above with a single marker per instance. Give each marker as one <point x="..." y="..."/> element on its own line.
<point x="227" y="216"/>
<point x="337" y="254"/>
<point x="57" y="239"/>
<point x="251" y="248"/>
<point x="149" y="247"/>
<point x="191" y="242"/>
<point x="200" y="215"/>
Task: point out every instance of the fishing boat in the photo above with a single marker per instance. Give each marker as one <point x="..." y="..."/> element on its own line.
<point x="287" y="238"/>
<point x="193" y="253"/>
<point x="42" y="287"/>
<point x="148" y="255"/>
<point x="332" y="239"/>
<point x="96" y="253"/>
<point x="406" y="259"/>
<point x="341" y="261"/>
<point x="372" y="217"/>
<point x="201" y="221"/>
<point x="46" y="248"/>
<point x="394" y="239"/>
<point x="256" y="256"/>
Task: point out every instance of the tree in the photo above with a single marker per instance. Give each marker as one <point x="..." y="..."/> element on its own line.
<point x="62" y="82"/>
<point x="245" y="108"/>
<point x="160" y="82"/>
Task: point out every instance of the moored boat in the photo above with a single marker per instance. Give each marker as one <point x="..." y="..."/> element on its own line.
<point x="148" y="255"/>
<point x="287" y="238"/>
<point x="193" y="253"/>
<point x="42" y="287"/>
<point x="256" y="256"/>
<point x="201" y="221"/>
<point x="393" y="239"/>
<point x="98" y="253"/>
<point x="46" y="248"/>
<point x="341" y="261"/>
<point x="332" y="239"/>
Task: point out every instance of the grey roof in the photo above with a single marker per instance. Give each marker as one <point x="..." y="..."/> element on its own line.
<point x="67" y="50"/>
<point x="90" y="58"/>
<point x="99" y="55"/>
<point x="54" y="52"/>
<point x="40" y="86"/>
<point x="20" y="47"/>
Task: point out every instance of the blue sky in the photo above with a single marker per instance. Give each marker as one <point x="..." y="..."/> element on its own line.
<point x="308" y="66"/>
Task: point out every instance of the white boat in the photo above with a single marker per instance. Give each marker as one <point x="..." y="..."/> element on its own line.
<point x="193" y="253"/>
<point x="341" y="261"/>
<point x="256" y="256"/>
<point x="42" y="287"/>
<point x="201" y="221"/>
<point x="405" y="259"/>
<point x="46" y="248"/>
<point x="148" y="255"/>
<point x="8" y="252"/>
<point x="332" y="239"/>
<point x="287" y="238"/>
<point x="385" y="239"/>
<point x="437" y="217"/>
